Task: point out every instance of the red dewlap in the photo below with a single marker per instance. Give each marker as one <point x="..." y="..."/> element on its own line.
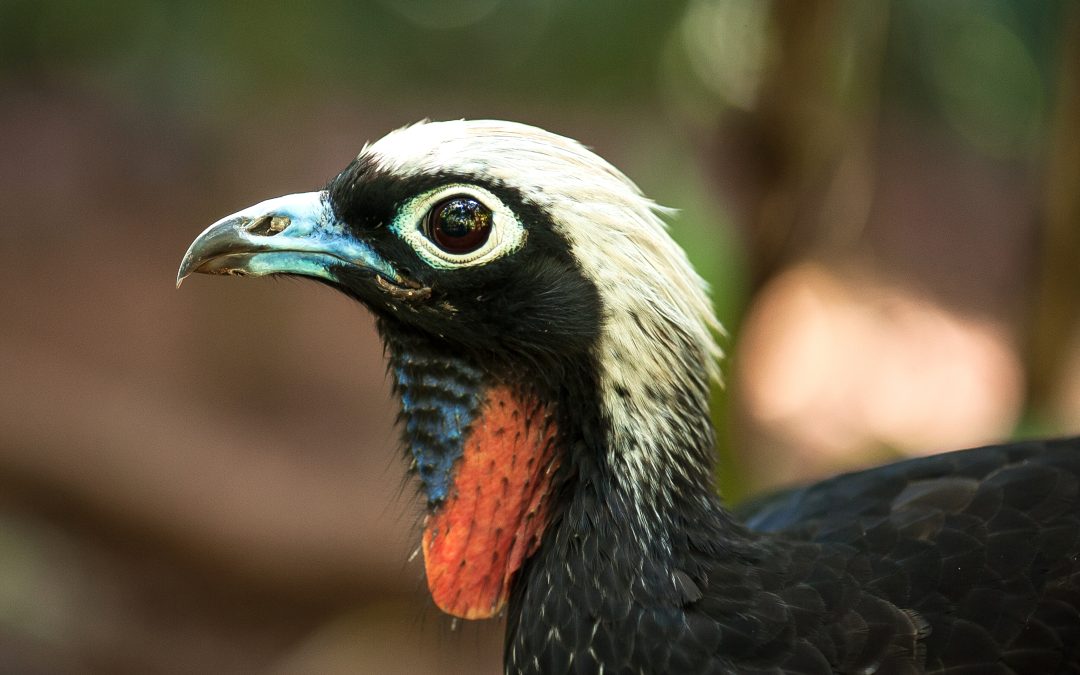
<point x="499" y="507"/>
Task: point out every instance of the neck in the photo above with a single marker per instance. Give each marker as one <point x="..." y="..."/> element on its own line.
<point x="637" y="426"/>
<point x="633" y="448"/>
<point x="653" y="398"/>
<point x="621" y="555"/>
<point x="649" y="485"/>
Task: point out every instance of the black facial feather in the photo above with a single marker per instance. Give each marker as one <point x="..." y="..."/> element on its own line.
<point x="536" y="303"/>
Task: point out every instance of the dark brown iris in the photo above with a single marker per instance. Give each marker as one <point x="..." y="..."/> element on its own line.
<point x="459" y="224"/>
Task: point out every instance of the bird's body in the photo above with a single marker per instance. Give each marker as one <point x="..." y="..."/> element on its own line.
<point x="961" y="562"/>
<point x="553" y="352"/>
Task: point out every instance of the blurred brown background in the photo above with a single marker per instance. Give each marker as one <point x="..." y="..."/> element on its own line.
<point x="884" y="196"/>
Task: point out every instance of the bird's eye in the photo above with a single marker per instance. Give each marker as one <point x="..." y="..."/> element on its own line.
<point x="459" y="224"/>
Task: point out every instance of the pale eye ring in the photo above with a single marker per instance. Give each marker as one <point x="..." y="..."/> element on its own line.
<point x="459" y="224"/>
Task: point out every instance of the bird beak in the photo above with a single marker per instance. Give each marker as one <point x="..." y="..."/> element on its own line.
<point x="295" y="234"/>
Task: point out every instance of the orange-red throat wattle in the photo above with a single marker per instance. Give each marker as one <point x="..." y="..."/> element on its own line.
<point x="494" y="516"/>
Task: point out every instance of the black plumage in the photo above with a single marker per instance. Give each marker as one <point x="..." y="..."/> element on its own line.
<point x="966" y="562"/>
<point x="623" y="559"/>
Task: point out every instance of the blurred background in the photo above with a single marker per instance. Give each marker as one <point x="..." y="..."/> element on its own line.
<point x="885" y="197"/>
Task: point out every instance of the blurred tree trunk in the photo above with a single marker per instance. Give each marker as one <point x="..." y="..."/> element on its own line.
<point x="813" y="131"/>
<point x="1054" y="326"/>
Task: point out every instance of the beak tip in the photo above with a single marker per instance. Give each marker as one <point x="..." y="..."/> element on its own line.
<point x="186" y="269"/>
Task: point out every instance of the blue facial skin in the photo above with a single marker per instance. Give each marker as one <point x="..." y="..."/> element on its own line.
<point x="438" y="403"/>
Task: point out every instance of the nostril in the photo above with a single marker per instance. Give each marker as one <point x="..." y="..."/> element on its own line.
<point x="267" y="226"/>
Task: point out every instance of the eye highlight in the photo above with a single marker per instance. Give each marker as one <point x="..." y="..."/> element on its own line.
<point x="460" y="224"/>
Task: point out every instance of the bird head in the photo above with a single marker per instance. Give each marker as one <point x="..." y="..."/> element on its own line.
<point x="543" y="330"/>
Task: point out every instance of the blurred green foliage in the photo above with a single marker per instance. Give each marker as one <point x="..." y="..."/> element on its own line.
<point x="988" y="67"/>
<point x="205" y="53"/>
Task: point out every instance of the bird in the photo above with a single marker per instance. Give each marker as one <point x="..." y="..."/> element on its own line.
<point x="553" y="353"/>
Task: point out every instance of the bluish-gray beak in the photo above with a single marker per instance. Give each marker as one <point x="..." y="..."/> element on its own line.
<point x="295" y="234"/>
